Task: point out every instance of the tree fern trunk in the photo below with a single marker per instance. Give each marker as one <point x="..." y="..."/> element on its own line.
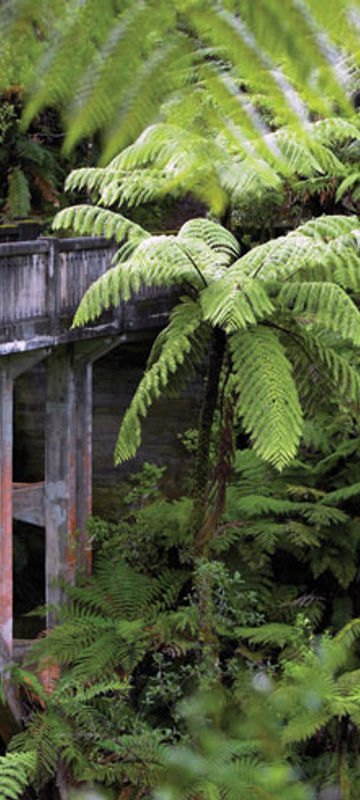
<point x="206" y="418"/>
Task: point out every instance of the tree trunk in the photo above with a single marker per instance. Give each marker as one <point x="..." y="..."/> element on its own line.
<point x="206" y="418"/>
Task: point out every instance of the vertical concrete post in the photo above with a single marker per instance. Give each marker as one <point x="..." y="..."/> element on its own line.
<point x="84" y="374"/>
<point x="53" y="284"/>
<point x="11" y="367"/>
<point x="60" y="472"/>
<point x="68" y="461"/>
<point x="6" y="545"/>
<point x="85" y="353"/>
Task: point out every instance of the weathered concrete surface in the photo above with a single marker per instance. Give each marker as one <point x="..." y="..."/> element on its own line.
<point x="71" y="389"/>
<point x="60" y="472"/>
<point x="42" y="283"/>
<point x="6" y="546"/>
<point x="29" y="502"/>
<point x="10" y="369"/>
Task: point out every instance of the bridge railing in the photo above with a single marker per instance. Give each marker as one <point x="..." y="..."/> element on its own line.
<point x="46" y="278"/>
<point x="42" y="283"/>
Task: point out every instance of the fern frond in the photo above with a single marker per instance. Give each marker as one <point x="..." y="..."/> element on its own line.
<point x="345" y="639"/>
<point x="62" y="645"/>
<point x="186" y="371"/>
<point x="157" y="261"/>
<point x="18" y="200"/>
<point x="116" y="67"/>
<point x="215" y="236"/>
<point x="116" y="591"/>
<point x="335" y="130"/>
<point x="16" y="772"/>
<point x="91" y="178"/>
<point x="276" y="633"/>
<point x="300" y="158"/>
<point x="307" y="723"/>
<point x="340" y="495"/>
<point x="235" y="304"/>
<point x="267" y="398"/>
<point x="47" y="734"/>
<point x="331" y="243"/>
<point x="344" y="375"/>
<point x="162" y="73"/>
<point x="185" y="320"/>
<point x="298" y="54"/>
<point x="329" y="227"/>
<point x="85" y="219"/>
<point x="326" y="304"/>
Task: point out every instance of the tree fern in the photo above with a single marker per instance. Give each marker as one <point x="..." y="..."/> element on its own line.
<point x="244" y="296"/>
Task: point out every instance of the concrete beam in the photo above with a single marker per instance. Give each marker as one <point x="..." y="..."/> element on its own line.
<point x="29" y="503"/>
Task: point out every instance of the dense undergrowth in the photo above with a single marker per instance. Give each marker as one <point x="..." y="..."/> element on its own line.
<point x="230" y="673"/>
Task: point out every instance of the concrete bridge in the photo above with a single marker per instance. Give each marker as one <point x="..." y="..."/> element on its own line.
<point x="41" y="284"/>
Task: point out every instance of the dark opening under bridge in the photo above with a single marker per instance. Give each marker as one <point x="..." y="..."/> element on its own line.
<point x="41" y="284"/>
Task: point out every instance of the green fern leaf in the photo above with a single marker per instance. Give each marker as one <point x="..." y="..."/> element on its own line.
<point x="85" y="219"/>
<point x="267" y="398"/>
<point x="215" y="236"/>
<point x="332" y="365"/>
<point x="326" y="304"/>
<point x="18" y="200"/>
<point x="16" y="771"/>
<point x="185" y="320"/>
<point x="235" y="304"/>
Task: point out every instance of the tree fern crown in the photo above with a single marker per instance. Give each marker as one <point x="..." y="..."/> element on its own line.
<point x="284" y="306"/>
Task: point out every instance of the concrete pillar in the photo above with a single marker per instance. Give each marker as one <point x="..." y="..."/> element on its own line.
<point x="83" y="382"/>
<point x="60" y="473"/>
<point x="6" y="544"/>
<point x="85" y="353"/>
<point x="68" y="462"/>
<point x="11" y="366"/>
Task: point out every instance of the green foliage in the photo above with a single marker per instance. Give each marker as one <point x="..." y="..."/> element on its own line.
<point x="232" y="752"/>
<point x="155" y="624"/>
<point x="277" y="332"/>
<point x="252" y="68"/>
<point x="267" y="396"/>
<point x="15" y="771"/>
<point x="175" y="157"/>
<point x="32" y="168"/>
<point x="307" y="513"/>
<point x="19" y="194"/>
